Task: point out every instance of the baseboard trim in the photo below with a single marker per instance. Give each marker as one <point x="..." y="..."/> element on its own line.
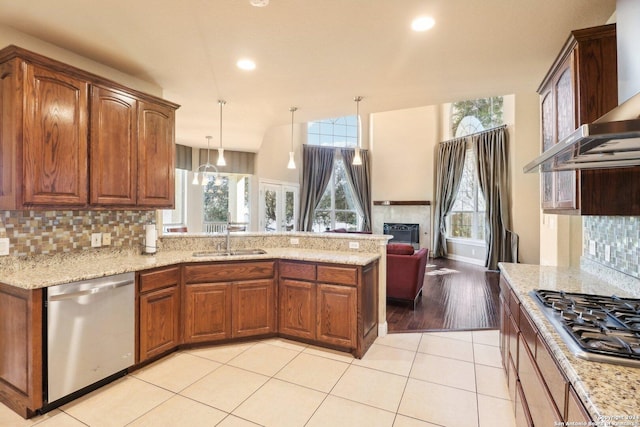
<point x="468" y="260"/>
<point x="383" y="329"/>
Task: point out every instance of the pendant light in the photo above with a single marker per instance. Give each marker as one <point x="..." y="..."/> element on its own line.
<point x="357" y="160"/>
<point x="202" y="174"/>
<point x="292" y="163"/>
<point x="221" y="161"/>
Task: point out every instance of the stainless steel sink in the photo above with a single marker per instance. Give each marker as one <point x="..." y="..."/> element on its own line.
<point x="234" y="252"/>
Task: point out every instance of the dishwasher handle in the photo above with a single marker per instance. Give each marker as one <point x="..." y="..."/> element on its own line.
<point x="91" y="291"/>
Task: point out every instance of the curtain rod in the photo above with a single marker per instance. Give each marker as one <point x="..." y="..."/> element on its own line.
<point x="475" y="134"/>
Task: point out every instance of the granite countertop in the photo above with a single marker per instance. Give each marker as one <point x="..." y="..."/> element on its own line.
<point x="609" y="392"/>
<point x="45" y="271"/>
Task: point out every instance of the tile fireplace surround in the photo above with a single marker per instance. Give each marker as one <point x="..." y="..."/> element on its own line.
<point x="404" y="212"/>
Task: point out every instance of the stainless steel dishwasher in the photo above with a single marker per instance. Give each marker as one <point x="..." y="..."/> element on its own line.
<point x="90" y="334"/>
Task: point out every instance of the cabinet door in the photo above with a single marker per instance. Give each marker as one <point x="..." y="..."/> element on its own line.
<point x="565" y="186"/>
<point x="253" y="308"/>
<point x="336" y="315"/>
<point x="297" y="308"/>
<point x="207" y="312"/>
<point x="113" y="160"/>
<point x="159" y="322"/>
<point x="156" y="155"/>
<point x="548" y="139"/>
<point x="55" y="140"/>
<point x="10" y="127"/>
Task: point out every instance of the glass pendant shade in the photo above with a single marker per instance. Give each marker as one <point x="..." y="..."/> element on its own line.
<point x="357" y="160"/>
<point x="292" y="162"/>
<point x="195" y="179"/>
<point x="221" y="161"/>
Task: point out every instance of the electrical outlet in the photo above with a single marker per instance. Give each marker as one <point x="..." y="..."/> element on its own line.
<point x="96" y="240"/>
<point x="354" y="245"/>
<point x="294" y="241"/>
<point x="4" y="246"/>
<point x="592" y="247"/>
<point x="106" y="239"/>
<point x="607" y="253"/>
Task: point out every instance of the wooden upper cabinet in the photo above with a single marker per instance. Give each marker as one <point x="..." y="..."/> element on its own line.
<point x="580" y="87"/>
<point x="156" y="155"/>
<point x="71" y="139"/>
<point x="114" y="157"/>
<point x="55" y="138"/>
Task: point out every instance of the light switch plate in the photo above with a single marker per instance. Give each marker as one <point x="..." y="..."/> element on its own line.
<point x="106" y="239"/>
<point x="354" y="245"/>
<point x="4" y="246"/>
<point x="607" y="253"/>
<point x="592" y="247"/>
<point x="294" y="241"/>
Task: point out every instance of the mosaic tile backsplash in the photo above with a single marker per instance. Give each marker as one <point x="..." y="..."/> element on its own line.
<point x="51" y="232"/>
<point x="621" y="234"/>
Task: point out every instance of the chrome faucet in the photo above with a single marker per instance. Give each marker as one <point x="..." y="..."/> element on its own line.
<point x="231" y="226"/>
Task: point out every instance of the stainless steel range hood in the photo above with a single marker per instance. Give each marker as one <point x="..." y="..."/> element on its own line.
<point x="611" y="141"/>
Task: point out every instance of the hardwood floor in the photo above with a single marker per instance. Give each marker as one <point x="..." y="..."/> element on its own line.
<point x="463" y="299"/>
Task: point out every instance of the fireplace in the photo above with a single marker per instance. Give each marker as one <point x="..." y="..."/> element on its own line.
<point x="403" y="233"/>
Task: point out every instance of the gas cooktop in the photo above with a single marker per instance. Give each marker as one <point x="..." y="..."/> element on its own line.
<point x="595" y="327"/>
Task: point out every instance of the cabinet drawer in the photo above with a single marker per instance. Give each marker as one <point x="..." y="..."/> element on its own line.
<point x="514" y="306"/>
<point x="222" y="272"/>
<point x="339" y="275"/>
<point x="576" y="413"/>
<point x="157" y="279"/>
<point x="298" y="270"/>
<point x="552" y="375"/>
<point x="528" y="330"/>
<point x="540" y="403"/>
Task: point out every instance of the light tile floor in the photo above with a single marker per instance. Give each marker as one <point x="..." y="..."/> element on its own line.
<point x="404" y="380"/>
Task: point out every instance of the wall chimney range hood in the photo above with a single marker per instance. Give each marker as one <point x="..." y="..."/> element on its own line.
<point x="611" y="141"/>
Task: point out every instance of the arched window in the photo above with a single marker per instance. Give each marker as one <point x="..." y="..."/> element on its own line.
<point x="466" y="219"/>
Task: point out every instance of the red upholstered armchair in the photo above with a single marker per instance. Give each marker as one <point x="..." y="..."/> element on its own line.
<point x="405" y="272"/>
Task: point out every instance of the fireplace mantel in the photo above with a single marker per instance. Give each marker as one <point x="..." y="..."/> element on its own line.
<point x="402" y="202"/>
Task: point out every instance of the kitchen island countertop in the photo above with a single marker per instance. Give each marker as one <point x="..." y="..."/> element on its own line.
<point x="609" y="392"/>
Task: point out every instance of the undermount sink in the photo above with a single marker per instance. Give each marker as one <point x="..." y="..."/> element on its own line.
<point x="234" y="252"/>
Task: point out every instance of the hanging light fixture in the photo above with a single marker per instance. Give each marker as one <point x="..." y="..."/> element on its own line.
<point x="292" y="163"/>
<point x="205" y="171"/>
<point x="221" y="161"/>
<point x="357" y="160"/>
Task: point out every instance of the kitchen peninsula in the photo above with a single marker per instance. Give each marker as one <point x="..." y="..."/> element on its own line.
<point x="316" y="275"/>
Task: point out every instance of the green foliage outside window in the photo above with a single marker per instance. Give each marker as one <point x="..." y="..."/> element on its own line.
<point x="487" y="110"/>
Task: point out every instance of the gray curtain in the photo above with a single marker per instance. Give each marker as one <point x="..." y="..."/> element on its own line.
<point x="491" y="152"/>
<point x="360" y="177"/>
<point x="450" y="164"/>
<point x="183" y="157"/>
<point x="317" y="166"/>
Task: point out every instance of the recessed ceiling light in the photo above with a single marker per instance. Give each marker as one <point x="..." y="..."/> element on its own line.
<point x="259" y="3"/>
<point x="246" y="64"/>
<point x="423" y="23"/>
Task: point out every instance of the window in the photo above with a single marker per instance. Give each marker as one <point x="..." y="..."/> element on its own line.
<point x="229" y="193"/>
<point x="337" y="207"/>
<point x="177" y="216"/>
<point x="467" y="217"/>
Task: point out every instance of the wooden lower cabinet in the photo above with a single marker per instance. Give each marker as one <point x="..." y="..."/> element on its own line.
<point x="336" y="315"/>
<point x="542" y="395"/>
<point x="158" y="312"/>
<point x="297" y="309"/>
<point x="253" y="308"/>
<point x="229" y="300"/>
<point x="327" y="304"/>
<point x="21" y="337"/>
<point x="207" y="313"/>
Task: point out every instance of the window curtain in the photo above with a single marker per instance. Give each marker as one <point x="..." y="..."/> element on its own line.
<point x="491" y="152"/>
<point x="450" y="164"/>
<point x="317" y="166"/>
<point x="183" y="157"/>
<point x="360" y="177"/>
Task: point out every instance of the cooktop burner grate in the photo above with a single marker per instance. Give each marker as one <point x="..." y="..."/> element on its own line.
<point x="604" y="328"/>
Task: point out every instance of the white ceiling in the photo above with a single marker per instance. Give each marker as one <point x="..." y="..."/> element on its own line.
<point x="316" y="55"/>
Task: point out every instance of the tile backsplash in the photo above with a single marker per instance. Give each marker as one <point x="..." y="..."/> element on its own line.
<point x="621" y="234"/>
<point x="51" y="232"/>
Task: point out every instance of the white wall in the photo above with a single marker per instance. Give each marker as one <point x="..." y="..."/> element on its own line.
<point x="9" y="36"/>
